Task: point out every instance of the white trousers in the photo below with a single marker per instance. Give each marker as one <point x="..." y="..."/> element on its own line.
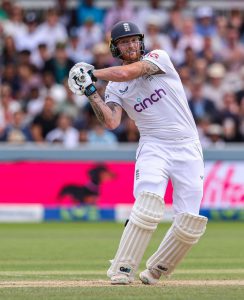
<point x="180" y="161"/>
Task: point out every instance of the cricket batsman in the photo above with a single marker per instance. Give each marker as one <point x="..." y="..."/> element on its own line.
<point x="149" y="89"/>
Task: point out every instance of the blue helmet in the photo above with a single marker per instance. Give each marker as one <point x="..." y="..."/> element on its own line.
<point x="124" y="29"/>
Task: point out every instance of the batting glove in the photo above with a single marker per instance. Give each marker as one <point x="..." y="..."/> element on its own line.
<point x="87" y="68"/>
<point x="80" y="81"/>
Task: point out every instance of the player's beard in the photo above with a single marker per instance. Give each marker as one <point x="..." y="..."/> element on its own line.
<point x="131" y="56"/>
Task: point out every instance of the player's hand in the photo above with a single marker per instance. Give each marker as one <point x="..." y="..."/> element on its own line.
<point x="86" y="67"/>
<point x="80" y="81"/>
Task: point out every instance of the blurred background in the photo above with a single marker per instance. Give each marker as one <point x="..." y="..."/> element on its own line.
<point x="56" y="161"/>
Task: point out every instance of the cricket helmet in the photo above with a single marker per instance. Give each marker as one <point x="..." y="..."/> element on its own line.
<point x="124" y="29"/>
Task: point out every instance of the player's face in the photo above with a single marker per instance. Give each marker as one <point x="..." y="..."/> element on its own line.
<point x="130" y="48"/>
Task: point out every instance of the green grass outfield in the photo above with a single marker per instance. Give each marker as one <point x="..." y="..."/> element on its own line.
<point x="69" y="261"/>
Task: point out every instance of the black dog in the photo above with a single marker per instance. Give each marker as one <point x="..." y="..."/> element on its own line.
<point x="88" y="193"/>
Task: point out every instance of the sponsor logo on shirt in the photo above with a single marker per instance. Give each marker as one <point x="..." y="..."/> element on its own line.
<point x="149" y="101"/>
<point x="153" y="55"/>
<point x="124" y="91"/>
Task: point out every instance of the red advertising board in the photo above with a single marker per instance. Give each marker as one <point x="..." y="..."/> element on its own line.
<point x="68" y="183"/>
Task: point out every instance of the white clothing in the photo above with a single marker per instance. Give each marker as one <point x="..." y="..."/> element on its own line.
<point x="26" y="41"/>
<point x="35" y="106"/>
<point x="11" y="28"/>
<point x="147" y="13"/>
<point x="182" y="162"/>
<point x="195" y="41"/>
<point x="169" y="145"/>
<point x="69" y="138"/>
<point x="51" y="35"/>
<point x="169" y="148"/>
<point x="157" y="103"/>
<point x="89" y="37"/>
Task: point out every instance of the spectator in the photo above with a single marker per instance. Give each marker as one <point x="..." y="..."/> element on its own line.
<point x="51" y="88"/>
<point x="15" y="24"/>
<point x="190" y="38"/>
<point x="28" y="40"/>
<point x="185" y="76"/>
<point x="205" y="21"/>
<point x="86" y="9"/>
<point x="52" y="31"/>
<point x="200" y="69"/>
<point x="17" y="131"/>
<point x="215" y="88"/>
<point x="10" y="77"/>
<point x="35" y="103"/>
<point x="75" y="49"/>
<point x="237" y="21"/>
<point x="59" y="64"/>
<point x="233" y="50"/>
<point x="189" y="59"/>
<point x="44" y="122"/>
<point x="208" y="52"/>
<point x="98" y="135"/>
<point x="5" y="10"/>
<point x="8" y="106"/>
<point x="215" y="135"/>
<point x="218" y="39"/>
<point x="101" y="56"/>
<point x="72" y="103"/>
<point x="28" y="78"/>
<point x="9" y="52"/>
<point x="90" y="34"/>
<point x="64" y="133"/>
<point x="154" y="39"/>
<point x="66" y="14"/>
<point x="200" y="106"/>
<point x="176" y="54"/>
<point x="229" y="118"/>
<point x="40" y="56"/>
<point x="121" y="10"/>
<point x="202" y="128"/>
<point x="151" y="11"/>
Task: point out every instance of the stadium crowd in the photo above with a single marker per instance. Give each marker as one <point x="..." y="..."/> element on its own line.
<point x="38" y="48"/>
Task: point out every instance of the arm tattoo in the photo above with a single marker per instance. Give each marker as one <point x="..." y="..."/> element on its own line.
<point x="149" y="68"/>
<point x="99" y="105"/>
<point x="113" y="106"/>
<point x="98" y="111"/>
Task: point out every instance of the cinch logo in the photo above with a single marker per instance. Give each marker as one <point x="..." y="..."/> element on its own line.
<point x="145" y="103"/>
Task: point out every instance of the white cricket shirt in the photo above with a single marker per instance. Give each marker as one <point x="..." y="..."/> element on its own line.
<point x="157" y="103"/>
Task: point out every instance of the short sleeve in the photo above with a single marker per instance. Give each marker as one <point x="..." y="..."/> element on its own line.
<point x="110" y="96"/>
<point x="161" y="59"/>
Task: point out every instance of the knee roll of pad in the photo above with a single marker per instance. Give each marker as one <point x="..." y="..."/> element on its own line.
<point x="189" y="228"/>
<point x="147" y="211"/>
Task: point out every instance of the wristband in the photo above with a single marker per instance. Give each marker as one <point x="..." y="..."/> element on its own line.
<point x="91" y="89"/>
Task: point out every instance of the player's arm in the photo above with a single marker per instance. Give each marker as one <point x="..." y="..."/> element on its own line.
<point x="81" y="81"/>
<point x="108" y="114"/>
<point x="128" y="72"/>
